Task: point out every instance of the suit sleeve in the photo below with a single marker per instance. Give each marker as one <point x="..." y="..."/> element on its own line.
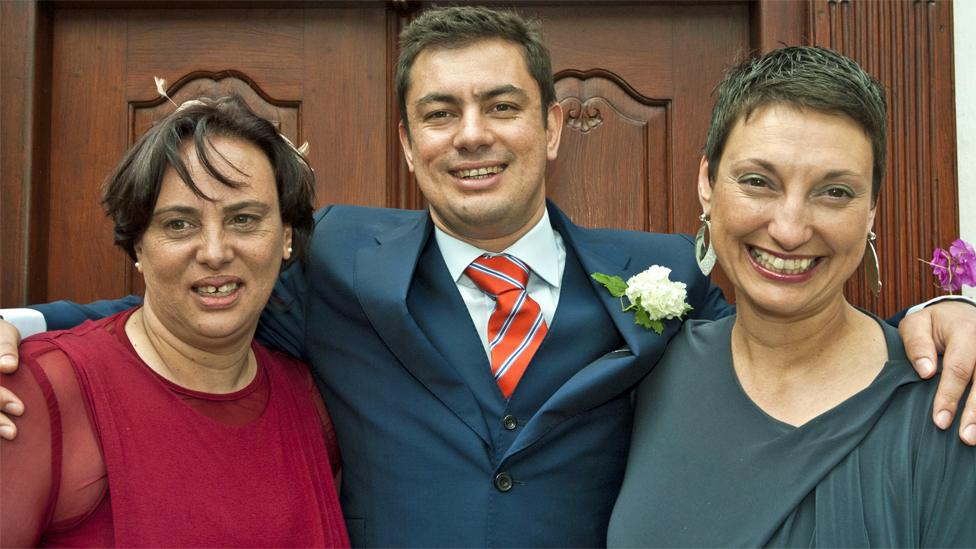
<point x="61" y="315"/>
<point x="282" y="324"/>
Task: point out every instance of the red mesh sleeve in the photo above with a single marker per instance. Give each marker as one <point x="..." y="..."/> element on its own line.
<point x="30" y="465"/>
<point x="53" y="475"/>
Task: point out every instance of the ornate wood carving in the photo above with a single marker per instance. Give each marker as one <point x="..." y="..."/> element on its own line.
<point x="603" y="114"/>
<point x="284" y="113"/>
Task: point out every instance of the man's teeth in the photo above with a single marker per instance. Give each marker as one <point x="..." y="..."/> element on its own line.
<point x="479" y="173"/>
<point x="780" y="265"/>
<point x="213" y="291"/>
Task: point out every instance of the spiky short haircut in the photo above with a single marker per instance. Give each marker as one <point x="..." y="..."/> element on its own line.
<point x="460" y="26"/>
<point x="803" y="77"/>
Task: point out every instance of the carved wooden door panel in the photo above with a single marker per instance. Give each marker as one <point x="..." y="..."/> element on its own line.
<point x="635" y="83"/>
<point x="319" y="73"/>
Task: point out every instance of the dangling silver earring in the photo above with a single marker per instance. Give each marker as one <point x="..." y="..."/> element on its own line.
<point x="138" y="266"/>
<point x="872" y="266"/>
<point x="705" y="256"/>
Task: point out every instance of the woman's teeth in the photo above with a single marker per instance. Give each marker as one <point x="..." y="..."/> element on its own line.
<point x="214" y="291"/>
<point x="780" y="265"/>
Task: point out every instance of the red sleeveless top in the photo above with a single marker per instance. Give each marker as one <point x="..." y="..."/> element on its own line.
<point x="179" y="478"/>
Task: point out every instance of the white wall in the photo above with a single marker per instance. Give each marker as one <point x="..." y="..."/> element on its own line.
<point x="965" y="58"/>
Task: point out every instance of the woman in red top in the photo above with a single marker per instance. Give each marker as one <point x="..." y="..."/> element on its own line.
<point x="167" y="425"/>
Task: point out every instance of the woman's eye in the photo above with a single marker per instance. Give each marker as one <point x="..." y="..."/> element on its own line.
<point x="753" y="181"/>
<point x="243" y="219"/>
<point x="838" y="192"/>
<point x="176" y="225"/>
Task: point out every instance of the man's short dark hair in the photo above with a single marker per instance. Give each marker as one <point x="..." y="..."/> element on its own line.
<point x="803" y="77"/>
<point x="130" y="193"/>
<point x="460" y="26"/>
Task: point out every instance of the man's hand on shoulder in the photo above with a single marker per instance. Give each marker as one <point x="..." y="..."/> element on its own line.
<point x="10" y="405"/>
<point x="947" y="327"/>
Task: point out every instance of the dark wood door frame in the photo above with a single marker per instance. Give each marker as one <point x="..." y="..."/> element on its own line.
<point x="907" y="44"/>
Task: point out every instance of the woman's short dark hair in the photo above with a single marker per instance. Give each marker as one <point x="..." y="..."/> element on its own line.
<point x="461" y="26"/>
<point x="130" y="193"/>
<point x="803" y="77"/>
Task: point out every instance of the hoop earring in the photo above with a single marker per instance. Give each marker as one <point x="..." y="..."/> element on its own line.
<point x="871" y="265"/>
<point x="705" y="256"/>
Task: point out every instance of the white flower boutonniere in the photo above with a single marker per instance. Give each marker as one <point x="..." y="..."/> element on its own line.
<point x="652" y="295"/>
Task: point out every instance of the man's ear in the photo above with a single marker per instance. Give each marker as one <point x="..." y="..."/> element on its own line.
<point x="704" y="186"/>
<point x="405" y="143"/>
<point x="554" y="129"/>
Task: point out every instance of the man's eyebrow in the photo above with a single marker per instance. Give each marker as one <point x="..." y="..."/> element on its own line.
<point x="437" y="98"/>
<point x="507" y="89"/>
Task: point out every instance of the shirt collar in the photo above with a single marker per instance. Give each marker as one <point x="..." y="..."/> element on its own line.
<point x="537" y="248"/>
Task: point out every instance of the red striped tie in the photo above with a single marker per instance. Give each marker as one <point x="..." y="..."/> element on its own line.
<point x="516" y="327"/>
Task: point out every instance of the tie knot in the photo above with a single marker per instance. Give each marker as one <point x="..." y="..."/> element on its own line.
<point x="498" y="273"/>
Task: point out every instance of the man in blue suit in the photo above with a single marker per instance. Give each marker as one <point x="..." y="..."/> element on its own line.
<point x="436" y="452"/>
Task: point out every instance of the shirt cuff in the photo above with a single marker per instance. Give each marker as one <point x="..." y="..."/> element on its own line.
<point x="935" y="300"/>
<point x="27" y="321"/>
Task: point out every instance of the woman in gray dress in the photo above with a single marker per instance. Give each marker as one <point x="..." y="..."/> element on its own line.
<point x="799" y="421"/>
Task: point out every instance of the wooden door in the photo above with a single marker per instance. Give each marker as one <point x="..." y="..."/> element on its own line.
<point x="634" y="77"/>
<point x="285" y="63"/>
<point x="323" y="75"/>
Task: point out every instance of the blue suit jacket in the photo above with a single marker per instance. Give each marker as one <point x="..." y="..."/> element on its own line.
<point x="419" y="418"/>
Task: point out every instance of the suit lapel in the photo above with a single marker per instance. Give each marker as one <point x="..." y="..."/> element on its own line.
<point x="383" y="276"/>
<point x="439" y="310"/>
<point x="600" y="257"/>
<point x="618" y="370"/>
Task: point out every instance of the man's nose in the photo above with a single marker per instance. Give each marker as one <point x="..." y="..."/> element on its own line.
<point x="474" y="131"/>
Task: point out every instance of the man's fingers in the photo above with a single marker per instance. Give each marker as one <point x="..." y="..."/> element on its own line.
<point x="9" y="405"/>
<point x="9" y="340"/>
<point x="957" y="371"/>
<point x="967" y="426"/>
<point x="916" y="334"/>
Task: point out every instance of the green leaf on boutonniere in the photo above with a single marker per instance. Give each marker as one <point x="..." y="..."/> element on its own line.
<point x="615" y="285"/>
<point x="642" y="318"/>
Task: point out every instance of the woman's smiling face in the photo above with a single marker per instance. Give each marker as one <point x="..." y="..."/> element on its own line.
<point x="790" y="207"/>
<point x="210" y="265"/>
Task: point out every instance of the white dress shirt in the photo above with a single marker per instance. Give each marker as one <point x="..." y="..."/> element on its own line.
<point x="541" y="248"/>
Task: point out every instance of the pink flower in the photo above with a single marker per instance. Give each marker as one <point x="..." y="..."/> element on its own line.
<point x="941" y="269"/>
<point x="955" y="268"/>
<point x="964" y="258"/>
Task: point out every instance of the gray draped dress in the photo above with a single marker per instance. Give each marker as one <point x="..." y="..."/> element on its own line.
<point x="709" y="468"/>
